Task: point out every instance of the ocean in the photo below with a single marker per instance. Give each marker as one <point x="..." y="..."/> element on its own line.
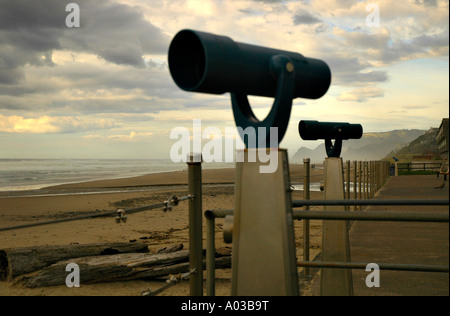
<point x="33" y="174"/>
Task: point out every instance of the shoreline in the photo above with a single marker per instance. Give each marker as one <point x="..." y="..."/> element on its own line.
<point x="148" y="182"/>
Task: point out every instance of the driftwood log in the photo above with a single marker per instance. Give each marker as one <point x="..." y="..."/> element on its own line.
<point x="122" y="267"/>
<point x="18" y="261"/>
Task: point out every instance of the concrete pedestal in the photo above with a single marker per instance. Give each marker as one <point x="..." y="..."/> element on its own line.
<point x="335" y="242"/>
<point x="264" y="254"/>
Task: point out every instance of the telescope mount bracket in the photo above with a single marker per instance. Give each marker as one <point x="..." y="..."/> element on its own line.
<point x="333" y="150"/>
<point x="282" y="69"/>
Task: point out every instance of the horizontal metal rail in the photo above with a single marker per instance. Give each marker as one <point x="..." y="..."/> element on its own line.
<point x="173" y="202"/>
<point x="382" y="266"/>
<point x="417" y="166"/>
<point x="211" y="214"/>
<point x="373" y="216"/>
<point x="301" y="203"/>
<point x="345" y="215"/>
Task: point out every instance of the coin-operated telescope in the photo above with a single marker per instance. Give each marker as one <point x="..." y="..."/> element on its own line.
<point x="335" y="238"/>
<point x="314" y="130"/>
<point x="208" y="63"/>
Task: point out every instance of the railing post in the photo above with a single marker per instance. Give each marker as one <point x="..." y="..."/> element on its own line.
<point x="360" y="182"/>
<point x="366" y="179"/>
<point x="372" y="178"/>
<point x="355" y="180"/>
<point x="377" y="176"/>
<point x="195" y="224"/>
<point x="210" y="255"/>
<point x="348" y="179"/>
<point x="382" y="173"/>
<point x="306" y="196"/>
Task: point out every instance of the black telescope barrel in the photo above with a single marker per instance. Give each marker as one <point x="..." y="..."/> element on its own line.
<point x="314" y="130"/>
<point x="208" y="63"/>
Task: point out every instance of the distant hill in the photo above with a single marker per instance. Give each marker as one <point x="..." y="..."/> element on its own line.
<point x="423" y="145"/>
<point x="372" y="146"/>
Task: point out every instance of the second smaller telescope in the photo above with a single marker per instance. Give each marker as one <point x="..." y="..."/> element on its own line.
<point x="314" y="130"/>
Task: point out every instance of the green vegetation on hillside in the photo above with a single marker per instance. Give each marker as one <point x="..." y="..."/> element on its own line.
<point x="423" y="145"/>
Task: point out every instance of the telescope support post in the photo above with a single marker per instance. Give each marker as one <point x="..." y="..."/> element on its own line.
<point x="264" y="253"/>
<point x="335" y="238"/>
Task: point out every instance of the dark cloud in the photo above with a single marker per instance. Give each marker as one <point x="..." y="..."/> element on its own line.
<point x="32" y="15"/>
<point x="322" y="28"/>
<point x="31" y="29"/>
<point x="426" y="45"/>
<point x="117" y="33"/>
<point x="388" y="48"/>
<point x="352" y="71"/>
<point x="147" y="89"/>
<point x="304" y="17"/>
<point x="8" y="74"/>
<point x="429" y="3"/>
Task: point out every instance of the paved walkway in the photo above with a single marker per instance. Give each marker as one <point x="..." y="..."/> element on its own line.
<point x="400" y="242"/>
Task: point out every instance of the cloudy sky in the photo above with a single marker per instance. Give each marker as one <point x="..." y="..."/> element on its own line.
<point x="103" y="90"/>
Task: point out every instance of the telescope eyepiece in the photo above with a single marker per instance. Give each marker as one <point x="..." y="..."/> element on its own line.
<point x="187" y="60"/>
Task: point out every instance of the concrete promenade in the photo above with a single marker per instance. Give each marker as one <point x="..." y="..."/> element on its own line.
<point x="400" y="242"/>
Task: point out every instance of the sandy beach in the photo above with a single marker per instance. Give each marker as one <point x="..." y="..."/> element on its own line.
<point x="156" y="228"/>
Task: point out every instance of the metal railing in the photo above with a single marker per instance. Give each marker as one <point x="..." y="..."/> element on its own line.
<point x="194" y="199"/>
<point x="419" y="166"/>
<point x="211" y="215"/>
<point x="368" y="177"/>
<point x="120" y="215"/>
